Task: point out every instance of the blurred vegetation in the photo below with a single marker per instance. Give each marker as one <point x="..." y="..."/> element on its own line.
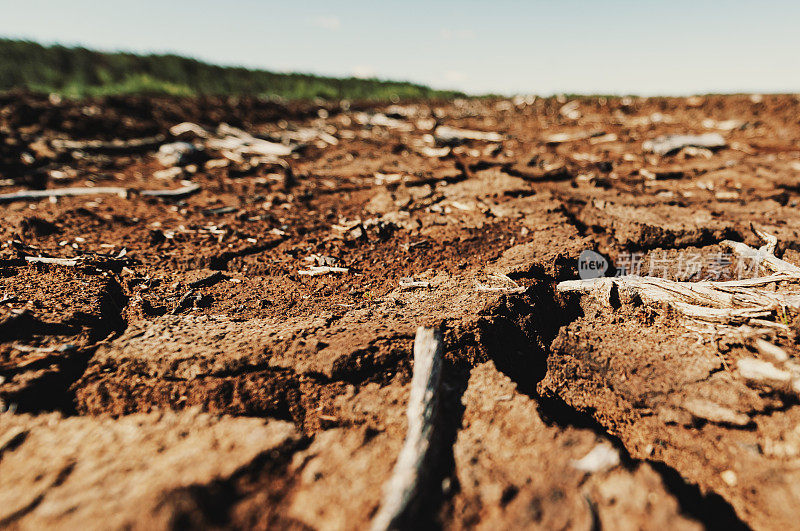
<point x="78" y="72"/>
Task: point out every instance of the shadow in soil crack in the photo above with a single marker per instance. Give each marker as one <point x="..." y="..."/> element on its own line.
<point x="236" y="501"/>
<point x="47" y="378"/>
<point x="708" y="508"/>
<point x="519" y="338"/>
<point x="520" y="345"/>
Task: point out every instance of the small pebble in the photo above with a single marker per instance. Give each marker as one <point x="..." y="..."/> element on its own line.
<point x="729" y="477"/>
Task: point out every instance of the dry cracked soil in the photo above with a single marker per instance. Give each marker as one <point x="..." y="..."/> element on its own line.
<point x="238" y="354"/>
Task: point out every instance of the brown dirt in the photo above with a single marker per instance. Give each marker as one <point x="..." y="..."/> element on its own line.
<point x="187" y="357"/>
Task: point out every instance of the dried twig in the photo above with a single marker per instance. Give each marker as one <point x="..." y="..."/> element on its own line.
<point x="96" y="260"/>
<point x="69" y="262"/>
<point x="113" y="146"/>
<point x="410" y="283"/>
<point x="763" y="255"/>
<point x="705" y="301"/>
<point x="32" y="195"/>
<point x="322" y="270"/>
<point x="667" y="144"/>
<point x="445" y="134"/>
<point x="184" y="302"/>
<point x="236" y="143"/>
<point x="29" y="195"/>
<point x="177" y="193"/>
<point x="400" y="493"/>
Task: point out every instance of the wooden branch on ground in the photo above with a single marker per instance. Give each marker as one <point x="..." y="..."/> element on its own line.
<point x="402" y="489"/>
<point x="32" y="195"/>
<point x="763" y="256"/>
<point x="177" y="193"/>
<point x="112" y="146"/>
<point x="88" y="259"/>
<point x="704" y="301"/>
<point x="314" y="271"/>
<point x="731" y="302"/>
<point x="69" y="262"/>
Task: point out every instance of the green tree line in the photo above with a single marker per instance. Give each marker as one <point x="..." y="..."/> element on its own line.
<point x="79" y="72"/>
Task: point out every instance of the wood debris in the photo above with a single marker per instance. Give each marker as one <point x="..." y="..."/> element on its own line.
<point x="177" y="193"/>
<point x="666" y="144"/>
<point x="766" y="348"/>
<point x="68" y="262"/>
<point x="560" y="138"/>
<point x="410" y="283"/>
<point x="602" y="139"/>
<point x="712" y="412"/>
<point x="432" y="152"/>
<point x="99" y="261"/>
<point x="402" y="490"/>
<point x="177" y="154"/>
<point x="506" y="284"/>
<point x="185" y="128"/>
<point x="571" y="110"/>
<point x="762" y="371"/>
<point x="728" y="302"/>
<point x="451" y="135"/>
<point x="314" y="271"/>
<point x="381" y="120"/>
<point x="234" y="143"/>
<point x="32" y="195"/>
<point x="113" y="146"/>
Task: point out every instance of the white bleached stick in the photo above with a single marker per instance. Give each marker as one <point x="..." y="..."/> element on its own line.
<point x="402" y="488"/>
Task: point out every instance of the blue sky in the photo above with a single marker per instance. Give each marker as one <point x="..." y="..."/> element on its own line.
<point x="642" y="47"/>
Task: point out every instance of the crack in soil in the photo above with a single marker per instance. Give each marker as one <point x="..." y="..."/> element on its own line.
<point x="708" y="508"/>
<point x="48" y="380"/>
<point x="517" y="338"/>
